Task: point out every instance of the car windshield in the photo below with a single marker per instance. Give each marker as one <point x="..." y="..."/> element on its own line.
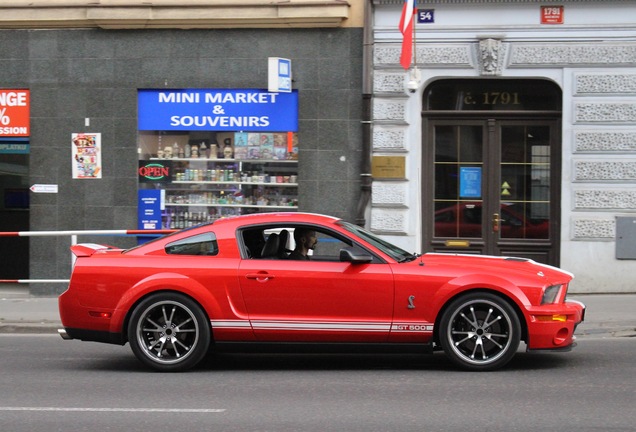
<point x="391" y="250"/>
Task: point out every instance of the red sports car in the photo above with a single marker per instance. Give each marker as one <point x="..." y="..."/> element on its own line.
<point x="238" y="284"/>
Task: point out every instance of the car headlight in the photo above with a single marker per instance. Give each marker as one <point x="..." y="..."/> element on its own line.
<point x="550" y="294"/>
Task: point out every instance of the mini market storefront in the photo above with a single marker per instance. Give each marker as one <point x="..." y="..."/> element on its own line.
<point x="85" y="71"/>
<point x="205" y="154"/>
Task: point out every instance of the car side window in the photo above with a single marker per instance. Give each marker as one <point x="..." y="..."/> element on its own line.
<point x="277" y="242"/>
<point x="202" y="244"/>
<point x="328" y="247"/>
<point x="281" y="241"/>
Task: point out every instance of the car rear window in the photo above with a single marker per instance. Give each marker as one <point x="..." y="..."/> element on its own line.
<point x="202" y="244"/>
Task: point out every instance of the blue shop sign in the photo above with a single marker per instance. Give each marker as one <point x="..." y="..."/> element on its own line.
<point x="14" y="146"/>
<point x="470" y="182"/>
<point x="217" y="110"/>
<point x="149" y="208"/>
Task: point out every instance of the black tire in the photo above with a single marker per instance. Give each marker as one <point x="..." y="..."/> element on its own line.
<point x="480" y="332"/>
<point x="169" y="332"/>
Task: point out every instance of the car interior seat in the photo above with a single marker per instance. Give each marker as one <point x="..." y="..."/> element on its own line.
<point x="283" y="252"/>
<point x="270" y="250"/>
<point x="254" y="242"/>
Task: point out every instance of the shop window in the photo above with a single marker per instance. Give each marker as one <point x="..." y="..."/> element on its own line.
<point x="202" y="167"/>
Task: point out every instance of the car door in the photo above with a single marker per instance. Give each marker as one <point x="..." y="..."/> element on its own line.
<point x="320" y="300"/>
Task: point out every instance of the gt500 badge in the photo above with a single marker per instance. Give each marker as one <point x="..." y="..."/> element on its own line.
<point x="412" y="327"/>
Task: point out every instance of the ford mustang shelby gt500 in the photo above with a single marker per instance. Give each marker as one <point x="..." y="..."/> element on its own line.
<point x="232" y="285"/>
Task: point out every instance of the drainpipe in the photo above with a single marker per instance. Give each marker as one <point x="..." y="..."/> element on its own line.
<point x="367" y="89"/>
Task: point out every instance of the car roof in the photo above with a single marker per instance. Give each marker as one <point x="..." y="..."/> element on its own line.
<point x="225" y="228"/>
<point x="277" y="217"/>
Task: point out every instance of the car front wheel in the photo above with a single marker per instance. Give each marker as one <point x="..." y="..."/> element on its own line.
<point x="169" y="332"/>
<point x="480" y="331"/>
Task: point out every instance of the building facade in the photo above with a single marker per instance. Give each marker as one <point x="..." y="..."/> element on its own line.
<point x="84" y="66"/>
<point x="514" y="133"/>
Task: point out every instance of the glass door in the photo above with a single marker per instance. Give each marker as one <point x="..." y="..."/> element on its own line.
<point x="458" y="167"/>
<point x="493" y="188"/>
<point x="524" y="199"/>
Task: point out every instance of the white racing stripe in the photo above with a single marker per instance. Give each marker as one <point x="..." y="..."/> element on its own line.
<point x="316" y="326"/>
<point x="141" y="410"/>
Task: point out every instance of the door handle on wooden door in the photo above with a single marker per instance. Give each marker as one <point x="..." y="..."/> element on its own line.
<point x="496" y="222"/>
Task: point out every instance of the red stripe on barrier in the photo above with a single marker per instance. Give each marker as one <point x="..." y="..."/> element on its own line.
<point x="83" y="232"/>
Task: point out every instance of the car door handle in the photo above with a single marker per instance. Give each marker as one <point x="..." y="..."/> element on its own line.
<point x="262" y="276"/>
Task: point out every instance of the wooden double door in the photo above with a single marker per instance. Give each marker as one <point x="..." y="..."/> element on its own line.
<point x="492" y="185"/>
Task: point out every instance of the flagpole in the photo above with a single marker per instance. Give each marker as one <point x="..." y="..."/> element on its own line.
<point x="414" y="35"/>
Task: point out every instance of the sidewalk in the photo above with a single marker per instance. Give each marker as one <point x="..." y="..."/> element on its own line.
<point x="607" y="315"/>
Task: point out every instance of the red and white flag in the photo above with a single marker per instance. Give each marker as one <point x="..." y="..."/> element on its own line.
<point x="406" y="28"/>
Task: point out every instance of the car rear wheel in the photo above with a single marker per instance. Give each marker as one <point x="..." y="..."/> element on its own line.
<point x="480" y="331"/>
<point x="169" y="332"/>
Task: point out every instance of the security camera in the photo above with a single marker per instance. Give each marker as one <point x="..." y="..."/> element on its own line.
<point x="412" y="86"/>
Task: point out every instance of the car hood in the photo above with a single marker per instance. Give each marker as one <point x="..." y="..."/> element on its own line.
<point x="498" y="265"/>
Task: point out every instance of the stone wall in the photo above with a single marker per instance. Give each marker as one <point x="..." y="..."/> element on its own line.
<point x="87" y="81"/>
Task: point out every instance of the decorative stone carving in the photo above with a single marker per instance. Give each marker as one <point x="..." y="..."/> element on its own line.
<point x="605" y="199"/>
<point x="604" y="112"/>
<point x="553" y="54"/>
<point x="388" y="221"/>
<point x="389" y="109"/>
<point x="605" y="141"/>
<point x="388" y="194"/>
<point x="602" y="229"/>
<point x="491" y="56"/>
<point x="604" y="171"/>
<point x="447" y="55"/>
<point x="606" y="83"/>
<point x="388" y="139"/>
<point x="388" y="82"/>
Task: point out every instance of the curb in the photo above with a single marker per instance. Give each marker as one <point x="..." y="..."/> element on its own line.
<point x="29" y="328"/>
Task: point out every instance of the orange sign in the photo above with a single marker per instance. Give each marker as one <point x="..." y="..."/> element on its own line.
<point x="551" y="14"/>
<point x="14" y="113"/>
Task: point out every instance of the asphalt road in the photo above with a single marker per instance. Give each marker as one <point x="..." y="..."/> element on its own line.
<point x="50" y="385"/>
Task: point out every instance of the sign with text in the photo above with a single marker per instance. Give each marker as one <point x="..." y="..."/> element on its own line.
<point x="552" y="14"/>
<point x="279" y="77"/>
<point x="470" y="182"/>
<point x="426" y="16"/>
<point x="87" y="155"/>
<point x="388" y="167"/>
<point x="151" y="202"/>
<point x="249" y="110"/>
<point x="14" y="113"/>
<point x="44" y="188"/>
<point x="14" y="146"/>
<point x="155" y="171"/>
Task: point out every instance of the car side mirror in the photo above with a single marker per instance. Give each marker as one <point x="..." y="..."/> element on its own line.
<point x="354" y="256"/>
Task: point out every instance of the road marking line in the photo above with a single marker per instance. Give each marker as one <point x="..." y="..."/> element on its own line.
<point x="150" y="410"/>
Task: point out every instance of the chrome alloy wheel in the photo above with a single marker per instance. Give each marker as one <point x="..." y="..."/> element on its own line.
<point x="169" y="332"/>
<point x="480" y="332"/>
